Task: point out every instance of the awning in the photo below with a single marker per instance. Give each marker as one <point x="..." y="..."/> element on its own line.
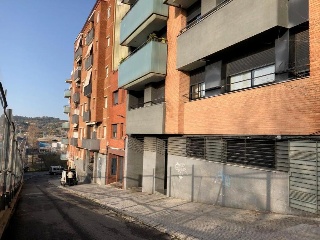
<point x="88" y="77"/>
<point x="89" y="49"/>
<point x="77" y="43"/>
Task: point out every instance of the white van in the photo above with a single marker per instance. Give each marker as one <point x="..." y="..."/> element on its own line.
<point x="55" y="170"/>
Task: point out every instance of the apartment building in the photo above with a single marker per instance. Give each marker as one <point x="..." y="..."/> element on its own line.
<point x="92" y="147"/>
<point x="222" y="101"/>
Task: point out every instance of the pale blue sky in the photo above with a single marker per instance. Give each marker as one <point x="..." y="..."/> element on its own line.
<point x="36" y="52"/>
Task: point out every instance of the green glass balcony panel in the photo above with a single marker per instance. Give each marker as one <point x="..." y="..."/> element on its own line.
<point x="65" y="141"/>
<point x="64" y="157"/>
<point x="147" y="65"/>
<point x="66" y="109"/>
<point x="65" y="125"/>
<point x="67" y="93"/>
<point x="145" y="17"/>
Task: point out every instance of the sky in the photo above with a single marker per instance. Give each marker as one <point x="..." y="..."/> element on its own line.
<point x="36" y="52"/>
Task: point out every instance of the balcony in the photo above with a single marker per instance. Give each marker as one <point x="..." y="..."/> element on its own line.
<point x="67" y="93"/>
<point x="91" y="144"/>
<point x="64" y="157"/>
<point x="77" y="74"/>
<point x="65" y="125"/>
<point x="145" y="17"/>
<point x="66" y="109"/>
<point x="88" y="62"/>
<point x="180" y="3"/>
<point x="76" y="97"/>
<point x="78" y="54"/>
<point x="87" y="116"/>
<point x="226" y="25"/>
<point x="90" y="36"/>
<point x="74" y="142"/>
<point x="146" y="120"/>
<point x="147" y="65"/>
<point x="65" y="141"/>
<point x="88" y="90"/>
<point x="75" y="119"/>
<point x="128" y="1"/>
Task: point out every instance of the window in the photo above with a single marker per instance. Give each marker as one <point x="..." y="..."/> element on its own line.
<point x="114" y="165"/>
<point x="104" y="131"/>
<point x="114" y="130"/>
<point x="197" y="91"/>
<point x="252" y="78"/>
<point x="98" y="17"/>
<point x="108" y="12"/>
<point x="108" y="41"/>
<point x="121" y="130"/>
<point x="106" y="102"/>
<point x="107" y="71"/>
<point x="115" y="97"/>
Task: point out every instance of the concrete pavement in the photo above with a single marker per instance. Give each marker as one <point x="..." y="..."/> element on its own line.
<point x="190" y="220"/>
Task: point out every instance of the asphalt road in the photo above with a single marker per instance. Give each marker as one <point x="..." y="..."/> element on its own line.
<point x="47" y="212"/>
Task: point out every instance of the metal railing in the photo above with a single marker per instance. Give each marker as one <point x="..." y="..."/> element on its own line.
<point x="11" y="166"/>
<point x="201" y="18"/>
<point x="148" y="103"/>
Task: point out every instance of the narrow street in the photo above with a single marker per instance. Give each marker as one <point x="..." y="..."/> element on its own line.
<point x="47" y="212"/>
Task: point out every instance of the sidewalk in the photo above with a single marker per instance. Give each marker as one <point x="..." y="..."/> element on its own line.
<point x="189" y="220"/>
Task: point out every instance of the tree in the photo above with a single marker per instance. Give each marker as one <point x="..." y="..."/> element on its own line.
<point x="33" y="134"/>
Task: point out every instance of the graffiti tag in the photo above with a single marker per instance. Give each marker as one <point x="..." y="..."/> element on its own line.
<point x="223" y="179"/>
<point x="181" y="169"/>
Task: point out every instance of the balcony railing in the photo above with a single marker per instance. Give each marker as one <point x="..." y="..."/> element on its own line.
<point x="65" y="141"/>
<point x="87" y="116"/>
<point x="90" y="36"/>
<point x="64" y="156"/>
<point x="147" y="64"/>
<point x="146" y="120"/>
<point x="67" y="93"/>
<point x="75" y="119"/>
<point x="88" y="62"/>
<point x="78" y="53"/>
<point x="215" y="27"/>
<point x="65" y="125"/>
<point x="145" y="17"/>
<point x="66" y="109"/>
<point x="74" y="142"/>
<point x="91" y="144"/>
<point x="88" y="90"/>
<point x="77" y="74"/>
<point x="76" y="97"/>
<point x="148" y="103"/>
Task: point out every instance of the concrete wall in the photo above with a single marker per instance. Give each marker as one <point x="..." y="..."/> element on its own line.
<point x="133" y="163"/>
<point x="226" y="185"/>
<point x="153" y="165"/>
<point x="101" y="169"/>
<point x="81" y="173"/>
<point x="147" y="120"/>
<point x="237" y="21"/>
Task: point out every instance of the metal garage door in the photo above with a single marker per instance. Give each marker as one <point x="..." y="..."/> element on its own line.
<point x="304" y="176"/>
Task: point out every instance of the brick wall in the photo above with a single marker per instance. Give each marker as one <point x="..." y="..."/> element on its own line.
<point x="177" y="84"/>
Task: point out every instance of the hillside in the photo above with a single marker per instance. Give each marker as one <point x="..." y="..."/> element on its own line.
<point x="47" y="125"/>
